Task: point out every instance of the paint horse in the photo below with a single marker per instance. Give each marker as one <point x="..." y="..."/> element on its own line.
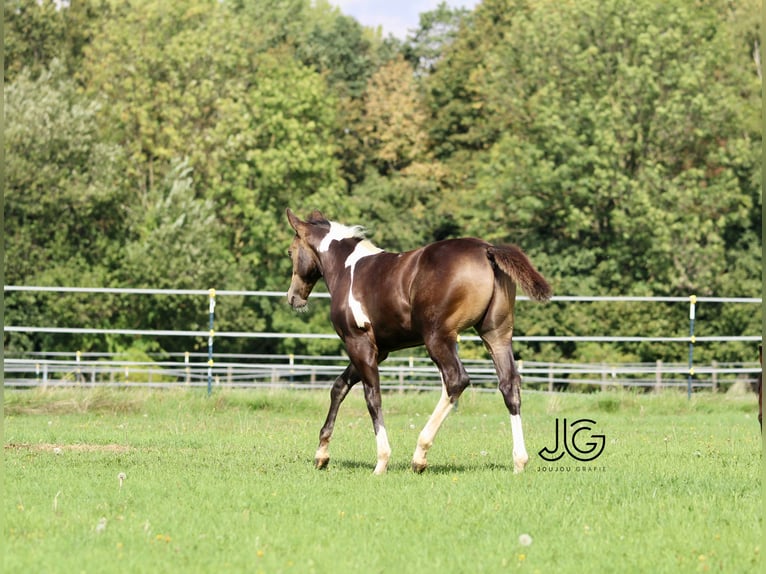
<point x="382" y="302"/>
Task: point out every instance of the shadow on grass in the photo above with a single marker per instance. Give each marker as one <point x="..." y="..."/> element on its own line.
<point x="438" y="469"/>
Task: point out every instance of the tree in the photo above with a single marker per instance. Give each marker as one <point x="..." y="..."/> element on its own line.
<point x="393" y="123"/>
<point x="62" y="195"/>
<point x="627" y="138"/>
<point x="459" y="123"/>
<point x="205" y="82"/>
<point x="437" y="30"/>
<point x="276" y="151"/>
<point x="617" y="160"/>
<point x="616" y="142"/>
<point x="177" y="243"/>
<point x="199" y="80"/>
<point x="346" y="55"/>
<point x="163" y="67"/>
<point x="64" y="202"/>
<point x="38" y="32"/>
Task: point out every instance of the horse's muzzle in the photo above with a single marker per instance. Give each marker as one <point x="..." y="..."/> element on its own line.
<point x="296" y="302"/>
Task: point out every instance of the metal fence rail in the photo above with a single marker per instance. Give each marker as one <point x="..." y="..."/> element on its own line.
<point x="333" y="336"/>
<point x="198" y="369"/>
<point x="320" y="294"/>
<point x="397" y="373"/>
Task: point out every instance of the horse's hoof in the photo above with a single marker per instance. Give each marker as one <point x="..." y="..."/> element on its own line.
<point x="418" y="467"/>
<point x="321" y="463"/>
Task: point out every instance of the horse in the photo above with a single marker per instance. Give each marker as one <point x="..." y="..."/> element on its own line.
<point x="382" y="301"/>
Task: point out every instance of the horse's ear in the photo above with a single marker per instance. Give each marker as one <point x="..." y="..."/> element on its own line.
<point x="316" y="215"/>
<point x="295" y="221"/>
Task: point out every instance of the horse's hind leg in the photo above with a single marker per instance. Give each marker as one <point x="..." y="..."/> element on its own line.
<point x="340" y="389"/>
<point x="510" y="387"/>
<point x="454" y="381"/>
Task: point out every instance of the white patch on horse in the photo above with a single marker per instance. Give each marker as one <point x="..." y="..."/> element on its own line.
<point x="384" y="450"/>
<point x="520" y="456"/>
<point x="363" y="249"/>
<point x="339" y="232"/>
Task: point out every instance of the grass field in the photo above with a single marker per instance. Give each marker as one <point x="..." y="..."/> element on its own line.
<point x="174" y="481"/>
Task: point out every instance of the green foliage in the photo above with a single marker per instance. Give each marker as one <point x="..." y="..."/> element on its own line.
<point x="62" y="193"/>
<point x="606" y="139"/>
<point x="437" y="30"/>
<point x="37" y="32"/>
<point x="143" y="368"/>
<point x="64" y="205"/>
<point x="172" y="221"/>
<point x="617" y="144"/>
<point x="158" y="144"/>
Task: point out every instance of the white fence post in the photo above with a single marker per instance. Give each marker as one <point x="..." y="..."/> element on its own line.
<point x="658" y="377"/>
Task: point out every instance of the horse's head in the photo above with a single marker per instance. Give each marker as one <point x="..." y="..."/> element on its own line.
<point x="303" y="253"/>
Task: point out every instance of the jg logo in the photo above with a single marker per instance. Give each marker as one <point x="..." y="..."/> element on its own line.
<point x="570" y="440"/>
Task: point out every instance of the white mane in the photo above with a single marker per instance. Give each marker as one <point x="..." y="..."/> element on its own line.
<point x="338" y="232"/>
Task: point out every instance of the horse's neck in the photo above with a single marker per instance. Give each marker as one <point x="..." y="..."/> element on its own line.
<point x="339" y="261"/>
<point x="333" y="267"/>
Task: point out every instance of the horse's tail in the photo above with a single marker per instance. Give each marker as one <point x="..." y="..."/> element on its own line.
<point x="512" y="261"/>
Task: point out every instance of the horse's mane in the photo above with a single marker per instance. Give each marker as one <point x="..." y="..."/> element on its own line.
<point x="357" y="231"/>
<point x="338" y="232"/>
<point x="317" y="217"/>
<point x="350" y="231"/>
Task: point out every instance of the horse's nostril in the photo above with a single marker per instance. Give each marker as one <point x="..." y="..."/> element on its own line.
<point x="295" y="301"/>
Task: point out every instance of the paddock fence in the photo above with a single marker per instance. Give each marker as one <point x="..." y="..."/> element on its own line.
<point x="400" y="372"/>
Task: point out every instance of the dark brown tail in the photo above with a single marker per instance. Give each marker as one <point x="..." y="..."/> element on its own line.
<point x="512" y="261"/>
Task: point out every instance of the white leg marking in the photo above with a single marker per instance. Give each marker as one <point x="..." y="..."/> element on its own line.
<point x="427" y="435"/>
<point x="520" y="456"/>
<point x="384" y="450"/>
<point x="323" y="453"/>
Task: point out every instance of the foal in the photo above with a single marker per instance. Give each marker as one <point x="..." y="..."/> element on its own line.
<point x="382" y="302"/>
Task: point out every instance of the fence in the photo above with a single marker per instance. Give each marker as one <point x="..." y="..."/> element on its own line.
<point x="397" y="373"/>
<point x="209" y="369"/>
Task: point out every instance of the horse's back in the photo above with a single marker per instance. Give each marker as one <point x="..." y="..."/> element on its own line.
<point x="453" y="264"/>
<point x="445" y="285"/>
<point x="453" y="285"/>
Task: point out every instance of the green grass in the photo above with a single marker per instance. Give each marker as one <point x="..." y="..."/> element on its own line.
<point x="227" y="484"/>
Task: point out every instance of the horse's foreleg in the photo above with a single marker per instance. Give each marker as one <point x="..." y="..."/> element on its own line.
<point x="340" y="389"/>
<point x="454" y="381"/>
<point x="365" y="357"/>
